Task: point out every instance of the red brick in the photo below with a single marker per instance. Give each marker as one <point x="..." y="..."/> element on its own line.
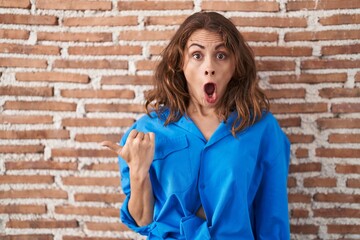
<point x="321" y="5"/>
<point x="27" y="237"/>
<point x="93" y="64"/>
<point x="74" y="37"/>
<point x="302" y="153"/>
<point x="15" y="4"/>
<point x="290" y="122"/>
<point x="123" y="93"/>
<point x="343" y="229"/>
<point x="101" y="21"/>
<point x="28" y="179"/>
<point x="40" y="105"/>
<point x="155" y="5"/>
<point x="71" y="152"/>
<point x="334" y="50"/>
<point x="111" y="167"/>
<point x="347" y="169"/>
<point x="129" y="79"/>
<point x="21" y="149"/>
<point x="29" y="49"/>
<point x="36" y="193"/>
<point x="357" y="77"/>
<point x="164" y="20"/>
<point x="299" y="197"/>
<point x="106" y="50"/>
<point x="319" y="182"/>
<point x="299" y="213"/>
<point x="35" y="134"/>
<point x="146" y="35"/>
<point x="298" y="107"/>
<point x="338" y="152"/>
<point x="104" y="107"/>
<point x="282" y="51"/>
<point x="337" y="197"/>
<point x="301" y="138"/>
<point x="305" y="167"/>
<point x="146" y="65"/>
<point x="97" y="137"/>
<point x="329" y="64"/>
<point x="28" y="19"/>
<point x="91" y="238"/>
<point x="100" y="226"/>
<point x="97" y="122"/>
<point x="291" y="182"/>
<point x="255" y="6"/>
<point x="52" y="77"/>
<point x="345" y="107"/>
<point x="268" y="65"/>
<point x="325" y="123"/>
<point x="353" y="183"/>
<point x="260" y="37"/>
<point x="100" y="197"/>
<point x="340" y="19"/>
<point x="156" y="50"/>
<point x="309" y="78"/>
<point x="87" y="211"/>
<point x="40" y="165"/>
<point x="344" y="138"/>
<point x="23" y="62"/>
<point x="74" y="5"/>
<point x="279" y="22"/>
<point x="23" y="209"/>
<point x="322" y="35"/>
<point x="304" y="229"/>
<point x="26" y="91"/>
<point x="25" y="119"/>
<point x="42" y="223"/>
<point x="339" y="92"/>
<point x="337" y="213"/>
<point x="91" y="181"/>
<point x="285" y="93"/>
<point x="14" y="34"/>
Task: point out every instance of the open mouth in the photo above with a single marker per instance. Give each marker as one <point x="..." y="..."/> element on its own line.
<point x="210" y="92"/>
<point x="209" y="89"/>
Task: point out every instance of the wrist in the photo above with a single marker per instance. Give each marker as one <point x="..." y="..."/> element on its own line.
<point x="139" y="175"/>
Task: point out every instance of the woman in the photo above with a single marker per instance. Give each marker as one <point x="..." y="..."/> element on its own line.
<point x="208" y="161"/>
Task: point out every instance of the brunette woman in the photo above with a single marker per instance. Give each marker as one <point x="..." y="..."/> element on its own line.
<point x="208" y="161"/>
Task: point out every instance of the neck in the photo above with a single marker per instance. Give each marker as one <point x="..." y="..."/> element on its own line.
<point x="201" y="111"/>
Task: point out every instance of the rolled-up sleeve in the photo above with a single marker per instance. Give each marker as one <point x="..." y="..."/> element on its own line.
<point x="125" y="215"/>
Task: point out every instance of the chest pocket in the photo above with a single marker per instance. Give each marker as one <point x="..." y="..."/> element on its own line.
<point x="172" y="164"/>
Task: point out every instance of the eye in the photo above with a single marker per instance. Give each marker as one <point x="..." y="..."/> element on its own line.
<point x="221" y="56"/>
<point x="196" y="56"/>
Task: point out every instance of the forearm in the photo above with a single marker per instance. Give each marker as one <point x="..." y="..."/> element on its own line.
<point x="141" y="202"/>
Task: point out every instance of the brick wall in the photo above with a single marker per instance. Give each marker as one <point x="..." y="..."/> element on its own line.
<point x="73" y="73"/>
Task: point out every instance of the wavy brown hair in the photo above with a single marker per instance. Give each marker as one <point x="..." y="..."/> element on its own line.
<point x="242" y="95"/>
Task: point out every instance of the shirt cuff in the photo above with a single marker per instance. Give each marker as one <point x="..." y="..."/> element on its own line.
<point x="128" y="220"/>
<point x="194" y="227"/>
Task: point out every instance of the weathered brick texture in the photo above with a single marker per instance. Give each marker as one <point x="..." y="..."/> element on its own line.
<point x="74" y="73"/>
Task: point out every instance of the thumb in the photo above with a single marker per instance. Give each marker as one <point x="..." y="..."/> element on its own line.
<point x="112" y="146"/>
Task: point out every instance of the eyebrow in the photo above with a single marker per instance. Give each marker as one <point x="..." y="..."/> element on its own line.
<point x="202" y="47"/>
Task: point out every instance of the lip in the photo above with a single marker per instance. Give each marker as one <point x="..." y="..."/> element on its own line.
<point x="213" y="97"/>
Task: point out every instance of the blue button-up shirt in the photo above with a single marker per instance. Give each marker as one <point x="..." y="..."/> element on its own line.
<point x="241" y="181"/>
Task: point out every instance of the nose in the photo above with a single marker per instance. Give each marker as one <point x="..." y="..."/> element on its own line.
<point x="209" y="72"/>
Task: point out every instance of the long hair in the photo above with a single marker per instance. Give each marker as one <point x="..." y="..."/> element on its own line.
<point x="242" y="94"/>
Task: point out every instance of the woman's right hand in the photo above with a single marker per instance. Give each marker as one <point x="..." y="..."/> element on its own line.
<point x="138" y="151"/>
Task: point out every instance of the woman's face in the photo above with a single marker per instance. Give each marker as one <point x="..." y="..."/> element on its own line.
<point x="208" y="67"/>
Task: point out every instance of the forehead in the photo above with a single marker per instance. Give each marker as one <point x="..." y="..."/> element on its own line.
<point x="204" y="37"/>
